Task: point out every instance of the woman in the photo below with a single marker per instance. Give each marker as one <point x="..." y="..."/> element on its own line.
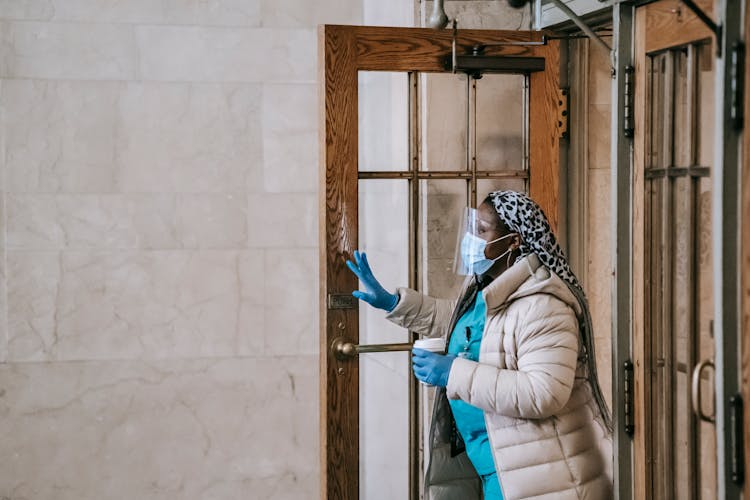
<point x="525" y="417"/>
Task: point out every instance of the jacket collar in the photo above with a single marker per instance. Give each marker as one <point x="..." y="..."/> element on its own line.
<point x="498" y="292"/>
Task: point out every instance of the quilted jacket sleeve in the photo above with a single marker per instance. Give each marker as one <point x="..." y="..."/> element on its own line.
<point x="546" y="343"/>
<point x="420" y="313"/>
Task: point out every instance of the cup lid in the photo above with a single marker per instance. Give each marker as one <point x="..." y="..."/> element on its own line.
<point x="430" y="344"/>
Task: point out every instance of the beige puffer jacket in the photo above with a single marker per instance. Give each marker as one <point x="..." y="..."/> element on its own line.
<point x="547" y="437"/>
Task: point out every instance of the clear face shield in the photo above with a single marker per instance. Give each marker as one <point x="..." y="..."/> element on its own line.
<point x="470" y="257"/>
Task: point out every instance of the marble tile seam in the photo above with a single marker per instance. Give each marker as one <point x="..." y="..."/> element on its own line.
<point x="253" y="194"/>
<point x="254" y="26"/>
<point x="209" y="83"/>
<point x="141" y="80"/>
<point x="151" y="361"/>
<point x="134" y="250"/>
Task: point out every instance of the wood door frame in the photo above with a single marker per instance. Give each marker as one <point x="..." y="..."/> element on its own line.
<point x="342" y="52"/>
<point x="745" y="263"/>
<point x="649" y="36"/>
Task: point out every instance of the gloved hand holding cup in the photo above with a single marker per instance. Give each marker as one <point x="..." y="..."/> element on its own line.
<point x="430" y="365"/>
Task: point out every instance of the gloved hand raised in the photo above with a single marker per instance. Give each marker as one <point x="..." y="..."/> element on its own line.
<point x="374" y="294"/>
<point x="432" y="368"/>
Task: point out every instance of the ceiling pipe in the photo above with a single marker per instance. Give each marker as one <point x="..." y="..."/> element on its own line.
<point x="582" y="25"/>
<point x="438" y="19"/>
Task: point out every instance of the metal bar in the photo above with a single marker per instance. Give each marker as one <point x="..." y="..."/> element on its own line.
<point x="693" y="88"/>
<point x="737" y="461"/>
<point x="479" y="63"/>
<point x="453" y="46"/>
<point x="526" y="142"/>
<point x="622" y="250"/>
<point x="693" y="233"/>
<point x="472" y="143"/>
<point x="675" y="172"/>
<point x="628" y="128"/>
<point x="737" y="109"/>
<point x="652" y="86"/>
<point x="347" y="350"/>
<point x="370" y="348"/>
<point x="415" y="421"/>
<point x="668" y="124"/>
<point x="458" y="174"/>
<point x="385" y="175"/>
<point x="627" y="375"/>
<point x="726" y="244"/>
<point x="607" y="33"/>
<point x="507" y="174"/>
<point x="666" y="261"/>
<point x="581" y="24"/>
<point x="667" y="290"/>
<point x="696" y="393"/>
<point x="520" y="44"/>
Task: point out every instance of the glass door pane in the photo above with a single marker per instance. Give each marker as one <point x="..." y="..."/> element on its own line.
<point x="405" y="212"/>
<point x="383" y="121"/>
<point x="444" y="120"/>
<point x="501" y="122"/>
<point x="441" y="204"/>
<point x="384" y="378"/>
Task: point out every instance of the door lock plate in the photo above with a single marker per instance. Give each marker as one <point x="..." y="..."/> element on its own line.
<point x="341" y="301"/>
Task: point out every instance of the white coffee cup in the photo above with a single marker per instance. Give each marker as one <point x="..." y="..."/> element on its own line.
<point x="432" y="344"/>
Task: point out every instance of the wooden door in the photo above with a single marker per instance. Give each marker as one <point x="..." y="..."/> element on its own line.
<point x="413" y="61"/>
<point x="675" y="74"/>
<point x="745" y="265"/>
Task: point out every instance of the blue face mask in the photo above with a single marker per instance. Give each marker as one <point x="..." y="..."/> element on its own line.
<point x="472" y="253"/>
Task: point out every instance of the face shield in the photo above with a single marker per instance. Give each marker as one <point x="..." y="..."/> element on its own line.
<point x="470" y="255"/>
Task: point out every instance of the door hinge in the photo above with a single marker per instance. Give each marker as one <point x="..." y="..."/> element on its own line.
<point x="628" y="118"/>
<point x="736" y="462"/>
<point x="563" y="115"/>
<point x="736" y="110"/>
<point x="628" y="398"/>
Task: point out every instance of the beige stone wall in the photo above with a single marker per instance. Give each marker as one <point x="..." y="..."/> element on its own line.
<point x="599" y="226"/>
<point x="159" y="237"/>
<point x="158" y="278"/>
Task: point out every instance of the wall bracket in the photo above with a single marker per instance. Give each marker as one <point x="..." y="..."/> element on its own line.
<point x="477" y="62"/>
<point x="715" y="28"/>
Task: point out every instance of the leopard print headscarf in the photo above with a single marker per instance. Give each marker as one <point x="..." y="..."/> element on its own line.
<point x="523" y="216"/>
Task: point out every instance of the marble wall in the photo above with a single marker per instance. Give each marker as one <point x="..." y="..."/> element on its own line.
<point x="158" y="278"/>
<point x="598" y="212"/>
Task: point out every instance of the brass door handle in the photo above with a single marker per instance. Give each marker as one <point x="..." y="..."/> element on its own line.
<point x="346" y="350"/>
<point x="696" y="390"/>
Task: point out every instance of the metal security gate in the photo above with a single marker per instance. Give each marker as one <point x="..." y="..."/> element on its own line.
<point x="679" y="292"/>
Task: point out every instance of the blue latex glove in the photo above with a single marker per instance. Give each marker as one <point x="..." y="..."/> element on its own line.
<point x="374" y="293"/>
<point x="432" y="368"/>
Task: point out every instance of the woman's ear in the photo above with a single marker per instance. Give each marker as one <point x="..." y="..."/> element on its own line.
<point x="516" y="241"/>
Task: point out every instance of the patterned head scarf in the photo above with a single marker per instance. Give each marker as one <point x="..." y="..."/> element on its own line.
<point x="522" y="215"/>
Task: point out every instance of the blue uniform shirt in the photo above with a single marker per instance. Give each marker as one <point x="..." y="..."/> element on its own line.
<point x="465" y="342"/>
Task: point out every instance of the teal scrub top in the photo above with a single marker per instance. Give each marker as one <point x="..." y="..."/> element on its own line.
<point x="465" y="341"/>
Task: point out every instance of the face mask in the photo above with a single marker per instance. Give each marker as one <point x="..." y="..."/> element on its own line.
<point x="472" y="252"/>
